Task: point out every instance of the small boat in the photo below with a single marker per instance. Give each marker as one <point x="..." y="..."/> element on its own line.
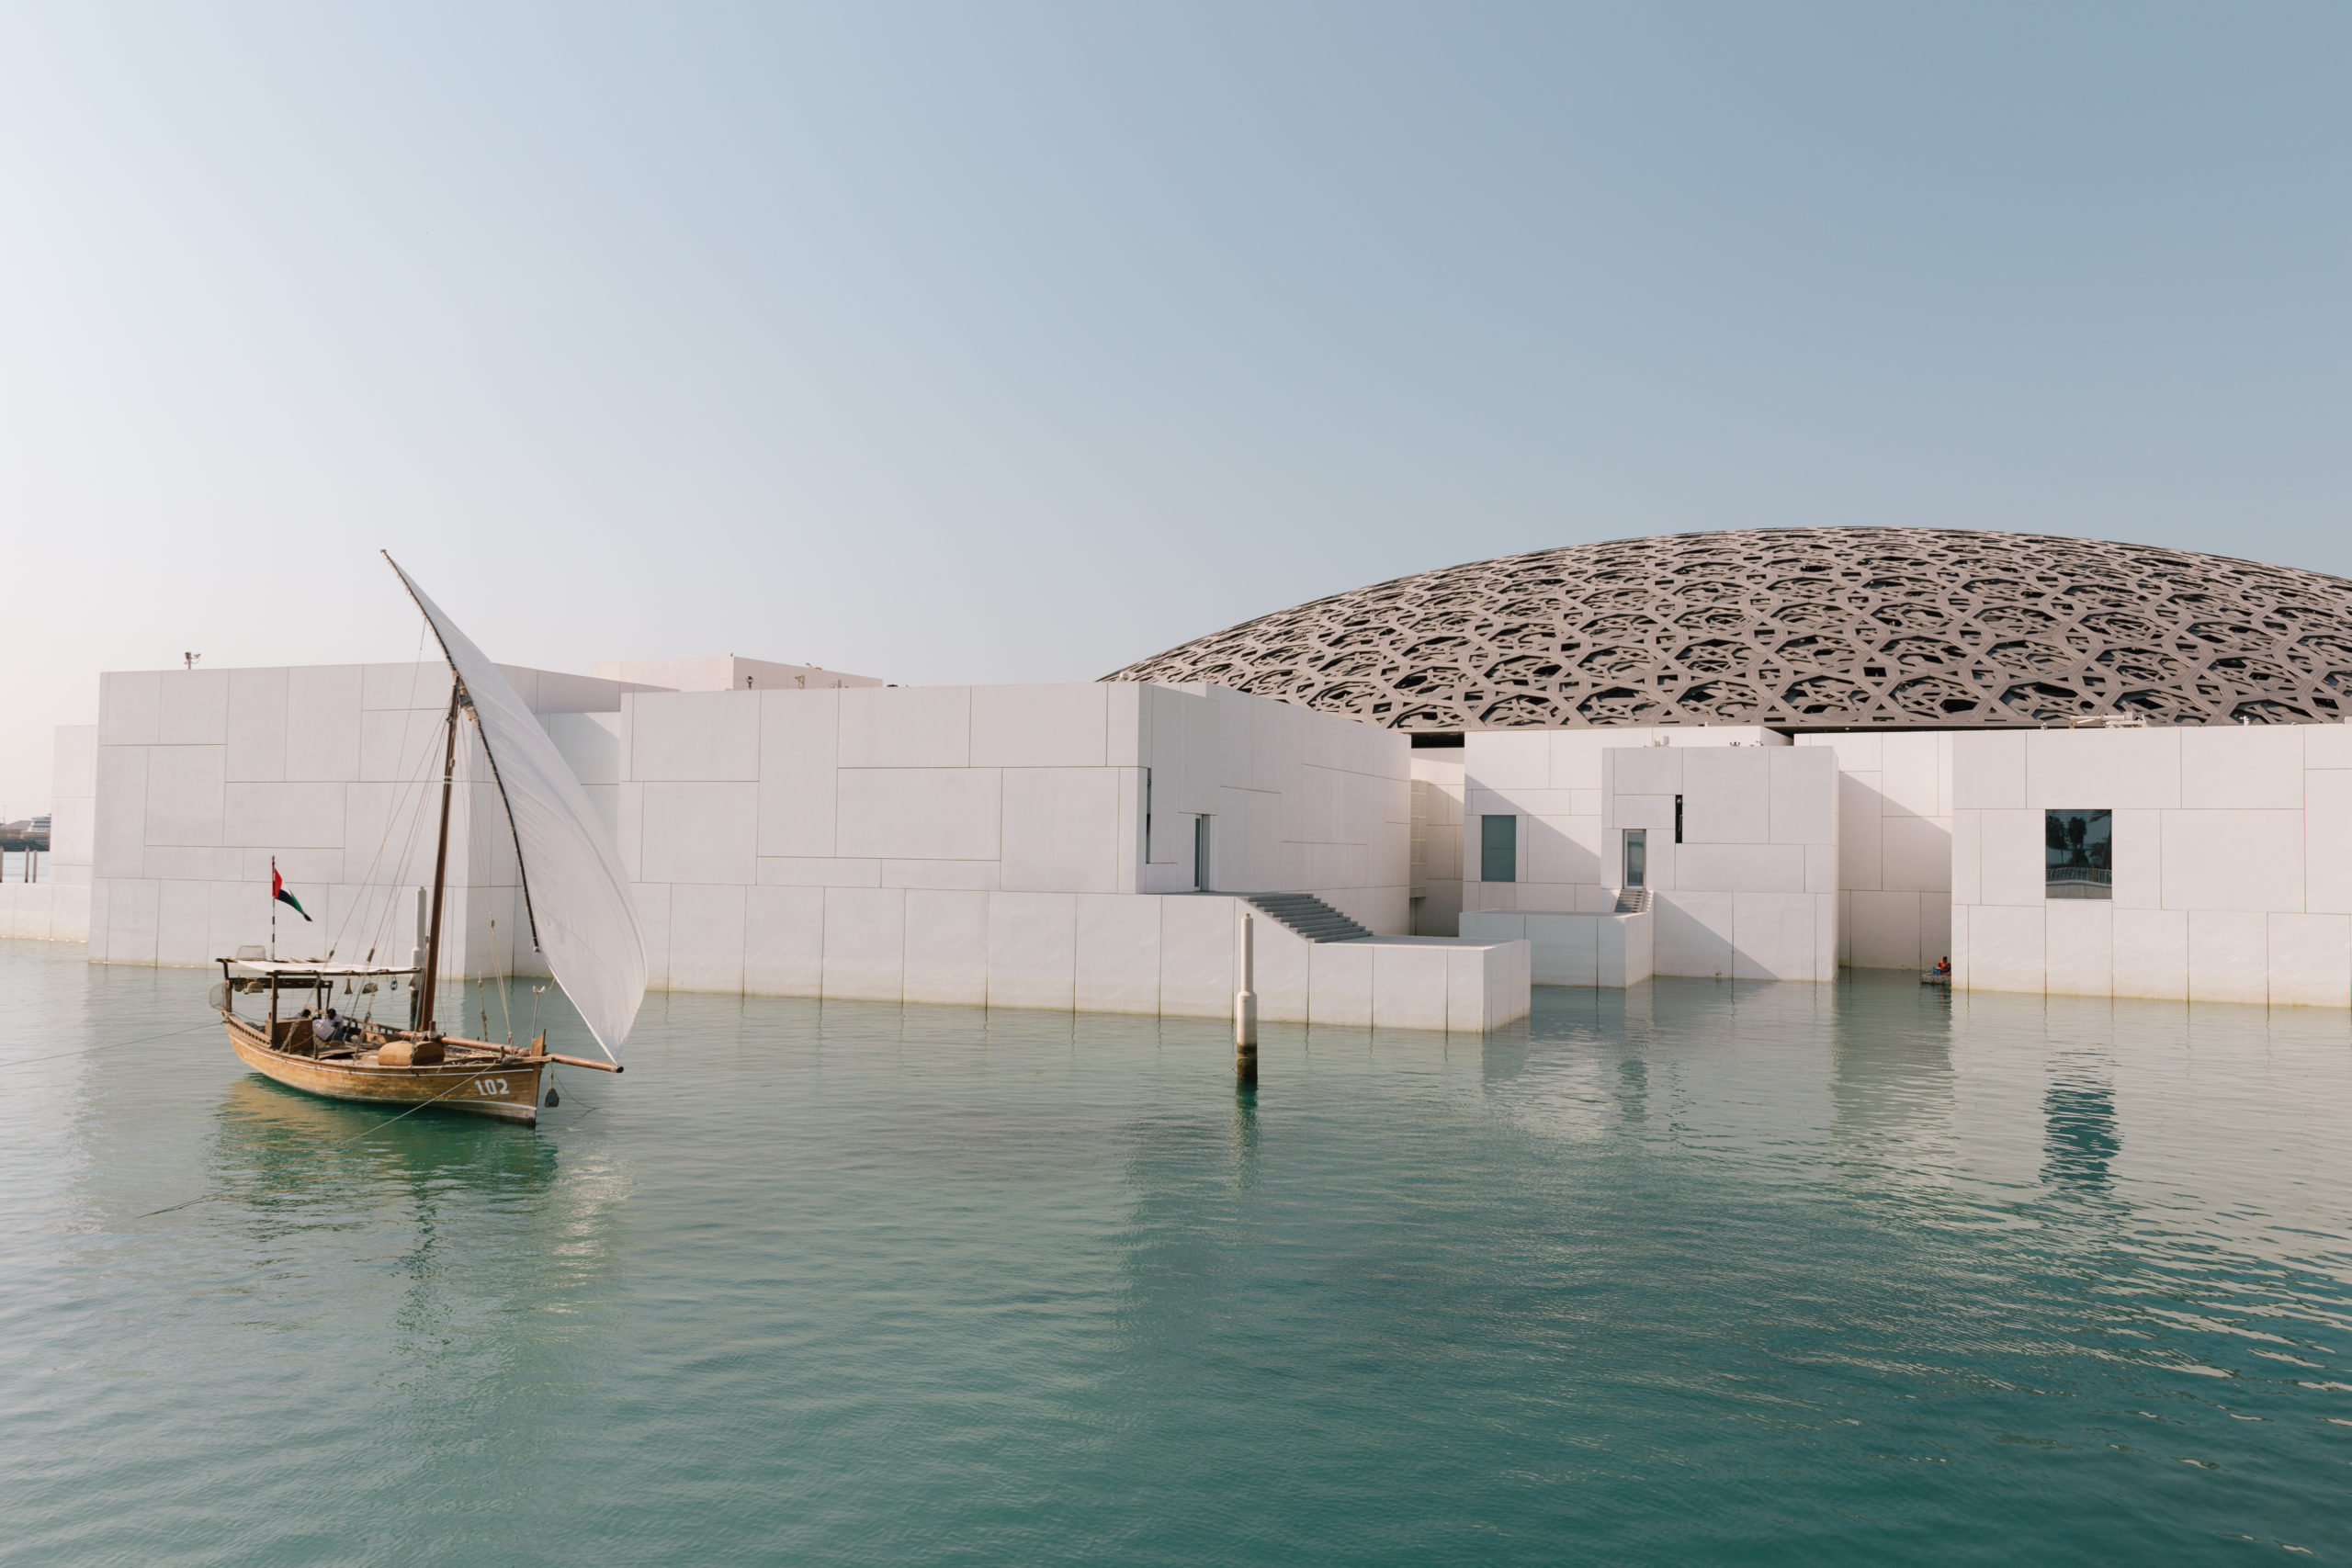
<point x="581" y="915"/>
<point x="1932" y="979"/>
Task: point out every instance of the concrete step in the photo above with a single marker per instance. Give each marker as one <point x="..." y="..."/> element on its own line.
<point x="1306" y="915"/>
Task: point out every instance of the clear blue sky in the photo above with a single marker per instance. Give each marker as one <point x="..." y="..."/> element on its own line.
<point x="1012" y="342"/>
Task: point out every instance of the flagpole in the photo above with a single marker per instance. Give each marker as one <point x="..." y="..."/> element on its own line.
<point x="273" y="908"/>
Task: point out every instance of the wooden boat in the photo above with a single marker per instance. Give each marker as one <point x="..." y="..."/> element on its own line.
<point x="571" y="874"/>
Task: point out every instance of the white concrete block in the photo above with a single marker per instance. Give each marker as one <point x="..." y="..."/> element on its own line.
<point x="1855" y="753"/>
<point x="1033" y="950"/>
<point x="701" y="832"/>
<point x="1124" y="716"/>
<point x="2228" y="956"/>
<point x="695" y="736"/>
<point x="921" y="813"/>
<point x="1692" y="932"/>
<point x="962" y="875"/>
<point x="2081" y="957"/>
<point x="2327" y="842"/>
<point x="794" y="871"/>
<point x="2326" y="745"/>
<point x="2138" y="848"/>
<point x="1917" y="855"/>
<point x="1886" y="931"/>
<point x="1646" y="770"/>
<point x="176" y="863"/>
<point x="1727" y="794"/>
<point x="192" y="707"/>
<point x="185" y="795"/>
<point x="120" y="838"/>
<point x="783" y="940"/>
<point x="1967" y="857"/>
<point x="1858" y="823"/>
<point x="1041" y="727"/>
<point x="257" y="725"/>
<point x="1338" y="984"/>
<point x="182" y="924"/>
<point x="1468" y="997"/>
<point x="1911" y="775"/>
<point x="799" y="747"/>
<point x="1803" y="783"/>
<point x="1118" y="953"/>
<point x="322" y="724"/>
<point x="2311" y="960"/>
<point x="1196" y="977"/>
<point x="1772" y="936"/>
<point x="865" y="943"/>
<point x="2244" y="767"/>
<point x="418" y="685"/>
<point x="237" y="915"/>
<point x="1409" y="987"/>
<point x="1061" y="831"/>
<point x="590" y="743"/>
<point x="1935" y="927"/>
<point x="1739" y="868"/>
<point x="1513" y="760"/>
<point x="1565" y="948"/>
<point x="947" y="947"/>
<point x="2006" y="948"/>
<point x="1988" y="771"/>
<point x="2246" y="861"/>
<point x="131" y="709"/>
<point x="131" y="910"/>
<point x="395" y="745"/>
<point x="1561" y="849"/>
<point x="2151" y="953"/>
<point x="906" y="726"/>
<point x="1821" y="867"/>
<point x="2012" y="859"/>
<point x="1282" y="977"/>
<point x="2072" y="769"/>
<point x="707" y="935"/>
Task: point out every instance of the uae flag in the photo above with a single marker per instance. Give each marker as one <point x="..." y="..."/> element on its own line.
<point x="277" y="891"/>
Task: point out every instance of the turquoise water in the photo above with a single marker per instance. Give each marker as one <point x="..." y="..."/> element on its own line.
<point x="1720" y="1273"/>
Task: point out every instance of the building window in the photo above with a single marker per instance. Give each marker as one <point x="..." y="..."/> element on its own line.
<point x="2078" y="855"/>
<point x="1637" y="857"/>
<point x="1677" y="818"/>
<point x="1498" y="849"/>
<point x="1200" y="852"/>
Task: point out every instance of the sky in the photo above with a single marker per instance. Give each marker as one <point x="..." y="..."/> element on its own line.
<point x="1012" y="342"/>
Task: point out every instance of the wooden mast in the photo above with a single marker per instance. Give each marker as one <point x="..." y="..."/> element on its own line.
<point x="427" y="982"/>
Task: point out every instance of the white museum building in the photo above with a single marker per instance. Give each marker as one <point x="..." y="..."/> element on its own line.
<point x="2069" y="766"/>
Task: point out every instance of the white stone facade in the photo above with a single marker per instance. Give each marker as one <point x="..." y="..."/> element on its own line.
<point x="2231" y="863"/>
<point x="1893" y="848"/>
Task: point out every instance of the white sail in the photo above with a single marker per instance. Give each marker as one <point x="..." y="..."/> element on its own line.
<point x="583" y="914"/>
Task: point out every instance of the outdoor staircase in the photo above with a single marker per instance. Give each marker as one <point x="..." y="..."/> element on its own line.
<point x="1308" y="915"/>
<point x="1632" y="901"/>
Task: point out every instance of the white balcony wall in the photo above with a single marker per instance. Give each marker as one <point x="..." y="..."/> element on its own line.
<point x="2231" y="863"/>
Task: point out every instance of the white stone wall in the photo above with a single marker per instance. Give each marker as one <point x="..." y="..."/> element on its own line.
<point x="1438" y="791"/>
<point x="2232" y="864"/>
<point x="1614" y="950"/>
<point x="1751" y="891"/>
<point x="1893" y="848"/>
<point x="1552" y="780"/>
<point x="57" y="908"/>
<point x="988" y="844"/>
<point x="201" y="776"/>
<point x="726" y="674"/>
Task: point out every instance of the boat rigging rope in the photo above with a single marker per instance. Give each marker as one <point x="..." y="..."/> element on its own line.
<point x="110" y="1045"/>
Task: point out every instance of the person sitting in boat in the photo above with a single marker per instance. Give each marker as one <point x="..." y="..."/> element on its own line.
<point x="1942" y="971"/>
<point x="328" y="1030"/>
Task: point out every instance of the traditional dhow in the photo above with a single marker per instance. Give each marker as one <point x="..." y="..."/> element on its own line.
<point x="582" y="916"/>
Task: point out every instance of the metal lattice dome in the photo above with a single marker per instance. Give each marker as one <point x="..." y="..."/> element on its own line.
<point x="1805" y="628"/>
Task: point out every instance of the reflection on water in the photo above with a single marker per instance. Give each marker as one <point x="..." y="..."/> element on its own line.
<point x="1702" y="1271"/>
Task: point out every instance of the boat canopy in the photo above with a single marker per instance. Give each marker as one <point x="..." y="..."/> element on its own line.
<point x="315" y="966"/>
<point x="583" y="913"/>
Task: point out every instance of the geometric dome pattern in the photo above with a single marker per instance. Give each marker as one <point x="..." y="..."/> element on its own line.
<point x="1805" y="628"/>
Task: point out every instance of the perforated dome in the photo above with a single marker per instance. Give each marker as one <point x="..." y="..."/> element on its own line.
<point x="1805" y="628"/>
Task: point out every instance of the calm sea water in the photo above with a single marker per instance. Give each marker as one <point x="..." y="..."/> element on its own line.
<point x="1717" y="1273"/>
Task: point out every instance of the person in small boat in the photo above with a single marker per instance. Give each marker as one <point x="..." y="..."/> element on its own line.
<point x="1942" y="971"/>
<point x="328" y="1030"/>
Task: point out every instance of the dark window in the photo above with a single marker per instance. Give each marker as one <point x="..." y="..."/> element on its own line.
<point x="2078" y="855"/>
<point x="1637" y="857"/>
<point x="1201" y="853"/>
<point x="1677" y="818"/>
<point x="1498" y="849"/>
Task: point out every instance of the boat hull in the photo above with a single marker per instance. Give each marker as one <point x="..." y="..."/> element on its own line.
<point x="507" y="1089"/>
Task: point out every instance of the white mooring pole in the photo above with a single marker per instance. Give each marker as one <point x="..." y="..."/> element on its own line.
<point x="1245" y="1012"/>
